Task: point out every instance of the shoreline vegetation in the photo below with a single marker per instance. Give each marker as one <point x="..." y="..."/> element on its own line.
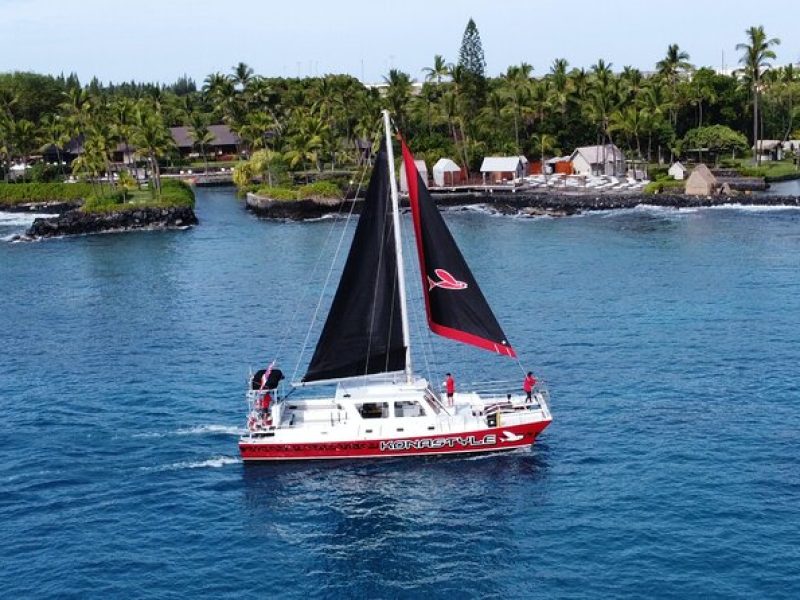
<point x="306" y="140"/>
<point x="81" y="211"/>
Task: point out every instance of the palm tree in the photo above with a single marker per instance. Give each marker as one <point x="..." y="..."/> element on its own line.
<point x="546" y="143"/>
<point x="674" y="63"/>
<point x="398" y="94"/>
<point x="23" y="139"/>
<point x="152" y="140"/>
<point x="755" y="59"/>
<point x="671" y="67"/>
<point x="439" y="69"/>
<point x="201" y="135"/>
<point x="655" y="104"/>
<point x="517" y="84"/>
<point x="54" y="134"/>
<point x="122" y="115"/>
<point x="242" y="74"/>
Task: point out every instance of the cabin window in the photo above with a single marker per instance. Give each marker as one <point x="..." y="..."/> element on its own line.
<point x="373" y="410"/>
<point x="408" y="408"/>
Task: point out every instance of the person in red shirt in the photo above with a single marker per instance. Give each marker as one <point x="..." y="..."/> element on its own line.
<point x="527" y="386"/>
<point x="450" y="388"/>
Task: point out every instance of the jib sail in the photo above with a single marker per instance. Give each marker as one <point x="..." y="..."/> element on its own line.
<point x="455" y="305"/>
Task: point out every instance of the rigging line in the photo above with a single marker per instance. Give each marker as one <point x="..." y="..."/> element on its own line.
<point x="328" y="276"/>
<point x="306" y="288"/>
<point x="327" y="279"/>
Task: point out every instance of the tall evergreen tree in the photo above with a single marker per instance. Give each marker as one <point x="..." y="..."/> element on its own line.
<point x="473" y="64"/>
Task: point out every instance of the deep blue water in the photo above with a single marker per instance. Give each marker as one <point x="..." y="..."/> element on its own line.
<point x="669" y="341"/>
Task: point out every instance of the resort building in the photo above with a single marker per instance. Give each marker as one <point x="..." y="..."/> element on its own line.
<point x="791" y="147"/>
<point x="423" y="172"/>
<point x="225" y="141"/>
<point x="499" y="169"/>
<point x="701" y="182"/>
<point x="678" y="171"/>
<point x="446" y="172"/>
<point x="769" y="149"/>
<point x="598" y="160"/>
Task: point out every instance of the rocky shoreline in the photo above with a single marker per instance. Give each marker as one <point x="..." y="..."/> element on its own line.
<point x="76" y="222"/>
<point x="529" y="203"/>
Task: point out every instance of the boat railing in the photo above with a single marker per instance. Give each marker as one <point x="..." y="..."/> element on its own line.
<point x="500" y="388"/>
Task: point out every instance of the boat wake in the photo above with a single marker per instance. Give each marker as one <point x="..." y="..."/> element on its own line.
<point x="196" y="430"/>
<point x="210" y="463"/>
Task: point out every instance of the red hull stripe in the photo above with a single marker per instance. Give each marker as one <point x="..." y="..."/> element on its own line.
<point x="412" y="178"/>
<point x="487" y="440"/>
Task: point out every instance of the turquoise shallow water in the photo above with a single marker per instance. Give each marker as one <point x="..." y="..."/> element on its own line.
<point x="669" y="341"/>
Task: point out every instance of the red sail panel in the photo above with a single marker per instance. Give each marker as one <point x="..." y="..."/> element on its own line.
<point x="454" y="303"/>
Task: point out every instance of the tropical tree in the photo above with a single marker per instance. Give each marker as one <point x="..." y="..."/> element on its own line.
<point x="54" y="133"/>
<point x="201" y="136"/>
<point x="756" y="55"/>
<point x="439" y="69"/>
<point x="398" y="94"/>
<point x="545" y="143"/>
<point x="152" y="140"/>
<point x="473" y="65"/>
<point x="518" y="89"/>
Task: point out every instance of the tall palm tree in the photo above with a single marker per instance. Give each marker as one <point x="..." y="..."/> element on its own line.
<point x="398" y="94"/>
<point x="242" y="74"/>
<point x="755" y="58"/>
<point x="201" y="135"/>
<point x="152" y="140"/>
<point x="54" y="133"/>
<point x="439" y="69"/>
<point x="671" y="67"/>
<point x="518" y="89"/>
<point x="23" y="140"/>
<point x="674" y="63"/>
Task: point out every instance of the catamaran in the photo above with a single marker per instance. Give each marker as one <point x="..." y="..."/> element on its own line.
<point x="380" y="408"/>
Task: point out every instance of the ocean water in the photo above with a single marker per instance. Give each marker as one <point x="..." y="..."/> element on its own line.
<point x="669" y="341"/>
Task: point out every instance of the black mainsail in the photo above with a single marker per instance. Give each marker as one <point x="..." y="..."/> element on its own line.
<point x="363" y="334"/>
<point x="454" y="303"/>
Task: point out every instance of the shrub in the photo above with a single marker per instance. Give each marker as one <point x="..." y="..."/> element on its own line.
<point x="95" y="203"/>
<point x="277" y="193"/>
<point x="320" y="190"/>
<point x="174" y="193"/>
<point x="19" y="193"/>
<point x="662" y="185"/>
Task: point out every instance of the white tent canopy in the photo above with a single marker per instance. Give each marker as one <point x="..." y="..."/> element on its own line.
<point x="443" y="166"/>
<point x="423" y="172"/>
<point x="501" y="164"/>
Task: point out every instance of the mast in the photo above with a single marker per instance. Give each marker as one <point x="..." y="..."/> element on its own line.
<point x="398" y="245"/>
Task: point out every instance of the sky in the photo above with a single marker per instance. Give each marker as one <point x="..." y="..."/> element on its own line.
<point x="160" y="40"/>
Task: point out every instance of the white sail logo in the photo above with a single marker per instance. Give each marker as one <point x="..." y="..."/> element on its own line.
<point x="446" y="281"/>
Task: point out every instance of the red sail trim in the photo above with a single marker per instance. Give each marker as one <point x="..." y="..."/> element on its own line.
<point x="472" y="340"/>
<point x="412" y="177"/>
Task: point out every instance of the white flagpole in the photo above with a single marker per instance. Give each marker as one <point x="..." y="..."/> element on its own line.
<point x="401" y="275"/>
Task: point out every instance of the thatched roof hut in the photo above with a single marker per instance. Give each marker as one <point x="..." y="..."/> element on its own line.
<point x="701" y="182"/>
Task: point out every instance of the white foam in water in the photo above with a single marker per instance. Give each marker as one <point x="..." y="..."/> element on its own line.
<point x="196" y="430"/>
<point x="8" y="219"/>
<point x="210" y="463"/>
<point x="214" y="429"/>
<point x="754" y="207"/>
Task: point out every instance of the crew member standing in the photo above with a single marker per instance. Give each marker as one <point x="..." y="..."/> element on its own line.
<point x="527" y="386"/>
<point x="450" y="388"/>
